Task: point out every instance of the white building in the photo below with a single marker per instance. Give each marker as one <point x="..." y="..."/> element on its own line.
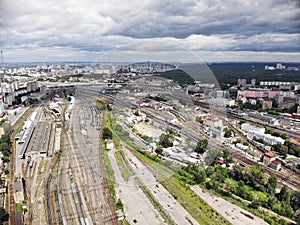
<point x="265" y="137"/>
<point x="1" y="105"/>
<point x="110" y="144"/>
<point x="250" y="128"/>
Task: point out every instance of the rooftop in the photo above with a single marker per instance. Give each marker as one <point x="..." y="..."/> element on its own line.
<point x="295" y="142"/>
<point x="40" y="138"/>
<point x="270" y="155"/>
<point x="276" y="162"/>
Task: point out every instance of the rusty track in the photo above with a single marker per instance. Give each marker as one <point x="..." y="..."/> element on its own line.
<point x="111" y="217"/>
<point x="12" y="203"/>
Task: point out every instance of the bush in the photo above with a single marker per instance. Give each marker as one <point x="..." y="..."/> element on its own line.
<point x="107" y="134"/>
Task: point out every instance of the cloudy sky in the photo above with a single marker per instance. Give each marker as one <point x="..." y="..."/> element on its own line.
<point x="164" y="30"/>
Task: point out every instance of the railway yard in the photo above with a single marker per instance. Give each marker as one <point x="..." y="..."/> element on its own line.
<point x="68" y="162"/>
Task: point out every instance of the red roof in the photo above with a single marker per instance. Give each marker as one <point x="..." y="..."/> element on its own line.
<point x="295" y="142"/>
<point x="270" y="155"/>
<point x="221" y="162"/>
<point x="138" y="102"/>
<point x="211" y="118"/>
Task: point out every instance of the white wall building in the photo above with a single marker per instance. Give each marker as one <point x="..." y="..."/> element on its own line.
<point x="265" y="137"/>
<point x="249" y="128"/>
<point x="1" y="105"/>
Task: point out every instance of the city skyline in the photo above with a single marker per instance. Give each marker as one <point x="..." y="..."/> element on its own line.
<point x="187" y="31"/>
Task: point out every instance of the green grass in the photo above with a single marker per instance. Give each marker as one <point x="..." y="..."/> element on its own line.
<point x="109" y="171"/>
<point x="109" y="123"/>
<point x="19" y="207"/>
<point x="42" y="166"/>
<point x="18" y="125"/>
<point x="125" y="168"/>
<point x="266" y="216"/>
<point x="197" y="207"/>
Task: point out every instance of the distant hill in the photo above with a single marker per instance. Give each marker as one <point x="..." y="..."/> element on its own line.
<point x="153" y="64"/>
<point x="179" y="76"/>
<point x="229" y="73"/>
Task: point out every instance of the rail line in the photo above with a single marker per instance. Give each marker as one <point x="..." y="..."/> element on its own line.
<point x="86" y="173"/>
<point x="285" y="178"/>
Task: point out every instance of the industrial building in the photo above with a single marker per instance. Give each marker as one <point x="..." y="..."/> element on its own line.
<point x="39" y="141"/>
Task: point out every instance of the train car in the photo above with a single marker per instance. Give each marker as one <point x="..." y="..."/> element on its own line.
<point x="82" y="221"/>
<point x="87" y="221"/>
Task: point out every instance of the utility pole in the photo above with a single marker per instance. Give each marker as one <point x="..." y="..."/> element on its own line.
<point x="2" y="67"/>
<point x="2" y="60"/>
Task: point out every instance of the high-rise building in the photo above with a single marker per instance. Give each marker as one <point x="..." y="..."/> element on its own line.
<point x="242" y="82"/>
<point x="1" y="104"/>
<point x="253" y="81"/>
<point x="280" y="98"/>
<point x="267" y="104"/>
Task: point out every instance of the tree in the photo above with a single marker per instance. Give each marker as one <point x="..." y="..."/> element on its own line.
<point x="165" y="140"/>
<point x="241" y="189"/>
<point x="200" y="119"/>
<point x="119" y="205"/>
<point x="107" y="134"/>
<point x="255" y="177"/>
<point x="3" y="215"/>
<point x="255" y="204"/>
<point x="5" y="159"/>
<point x="199" y="175"/>
<point x="227" y="132"/>
<point x="284" y="194"/>
<point x="272" y="184"/>
<point x="209" y="171"/>
<point x="6" y="171"/>
<point x="284" y="151"/>
<point x="201" y="146"/>
<point x="159" y="149"/>
<point x="230" y="185"/>
<point x="295" y="200"/>
<point x="238" y="171"/>
<point x="4" y="148"/>
<point x="5" y="138"/>
<point x="172" y="132"/>
<point x="298" y="220"/>
<point x="272" y="201"/>
<point x="227" y="156"/>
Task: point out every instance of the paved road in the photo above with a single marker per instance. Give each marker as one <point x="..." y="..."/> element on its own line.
<point x="137" y="206"/>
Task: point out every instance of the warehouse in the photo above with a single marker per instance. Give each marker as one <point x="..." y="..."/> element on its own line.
<point x="39" y="142"/>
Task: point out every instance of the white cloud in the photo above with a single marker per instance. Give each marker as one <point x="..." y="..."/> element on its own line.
<point x="75" y="28"/>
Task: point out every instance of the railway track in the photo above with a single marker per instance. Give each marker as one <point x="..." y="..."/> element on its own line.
<point x="242" y="159"/>
<point x="49" y="201"/>
<point x="12" y="203"/>
<point x="111" y="218"/>
<point x="229" y="114"/>
<point x="85" y="172"/>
